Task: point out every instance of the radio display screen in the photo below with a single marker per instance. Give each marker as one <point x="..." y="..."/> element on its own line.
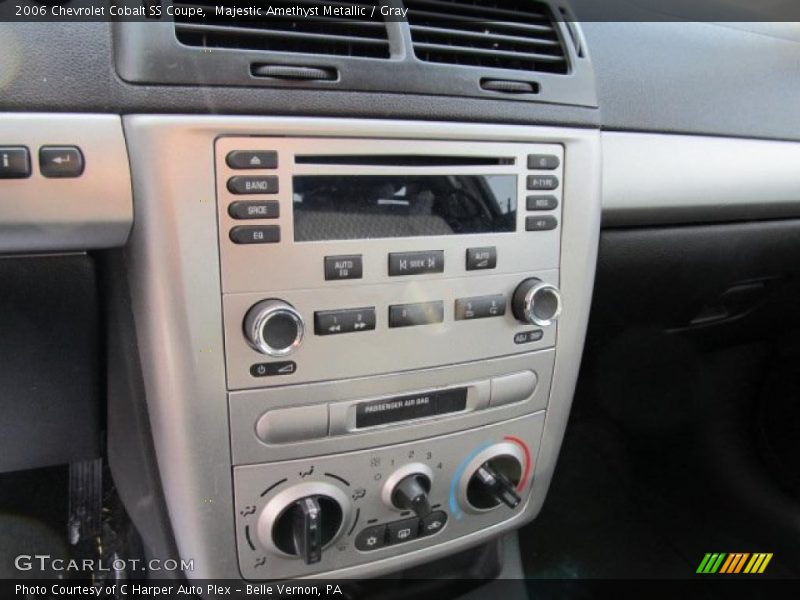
<point x="353" y="207"/>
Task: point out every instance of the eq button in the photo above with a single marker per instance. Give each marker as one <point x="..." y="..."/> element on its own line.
<point x="346" y="320"/>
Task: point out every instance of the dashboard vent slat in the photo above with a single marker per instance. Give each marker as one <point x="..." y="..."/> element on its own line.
<point x="499" y="34"/>
<point x="347" y="35"/>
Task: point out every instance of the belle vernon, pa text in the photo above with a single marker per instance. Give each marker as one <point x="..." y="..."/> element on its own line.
<point x="138" y="590"/>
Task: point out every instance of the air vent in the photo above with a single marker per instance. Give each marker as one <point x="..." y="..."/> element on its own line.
<point x="500" y="34"/>
<point x="338" y="30"/>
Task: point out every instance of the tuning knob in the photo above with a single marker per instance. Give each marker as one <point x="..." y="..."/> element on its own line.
<point x="408" y="489"/>
<point x="536" y="302"/>
<point x="303" y="520"/>
<point x="491" y="479"/>
<point x="274" y="327"/>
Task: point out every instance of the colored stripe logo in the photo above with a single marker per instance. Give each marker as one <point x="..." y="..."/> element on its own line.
<point x="734" y="563"/>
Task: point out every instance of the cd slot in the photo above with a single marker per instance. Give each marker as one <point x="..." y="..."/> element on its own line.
<point x="403" y="160"/>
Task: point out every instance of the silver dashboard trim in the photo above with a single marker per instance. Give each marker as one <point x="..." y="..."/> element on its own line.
<point x="176" y="296"/>
<point x="93" y="210"/>
<point x="651" y="179"/>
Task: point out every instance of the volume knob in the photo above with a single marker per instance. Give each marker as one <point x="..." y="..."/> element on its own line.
<point x="274" y="327"/>
<point x="536" y="302"/>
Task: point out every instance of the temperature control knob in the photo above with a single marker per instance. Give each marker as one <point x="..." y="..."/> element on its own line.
<point x="274" y="327"/>
<point x="408" y="489"/>
<point x="303" y="520"/>
<point x="489" y="482"/>
<point x="536" y="302"/>
<point x="491" y="479"/>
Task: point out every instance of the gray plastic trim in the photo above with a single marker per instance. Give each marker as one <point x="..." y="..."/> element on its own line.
<point x="149" y="52"/>
<point x="176" y="296"/>
<point x="94" y="210"/>
<point x="655" y="179"/>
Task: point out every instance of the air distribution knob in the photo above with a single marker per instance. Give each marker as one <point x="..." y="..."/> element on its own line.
<point x="274" y="327"/>
<point x="536" y="302"/>
<point x="303" y="520"/>
<point x="408" y="489"/>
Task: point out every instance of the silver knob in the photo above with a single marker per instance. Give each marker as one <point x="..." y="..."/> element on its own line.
<point x="274" y="327"/>
<point x="536" y="302"/>
<point x="303" y="520"/>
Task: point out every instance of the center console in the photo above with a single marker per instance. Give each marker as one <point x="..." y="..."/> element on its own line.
<point x="359" y="338"/>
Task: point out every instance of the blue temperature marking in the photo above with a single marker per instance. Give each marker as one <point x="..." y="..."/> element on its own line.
<point x="454" y="509"/>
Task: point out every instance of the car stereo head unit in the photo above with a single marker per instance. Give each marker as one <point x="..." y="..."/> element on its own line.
<point x="418" y="253"/>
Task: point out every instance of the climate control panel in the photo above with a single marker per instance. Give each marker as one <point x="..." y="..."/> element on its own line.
<point x="311" y="516"/>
